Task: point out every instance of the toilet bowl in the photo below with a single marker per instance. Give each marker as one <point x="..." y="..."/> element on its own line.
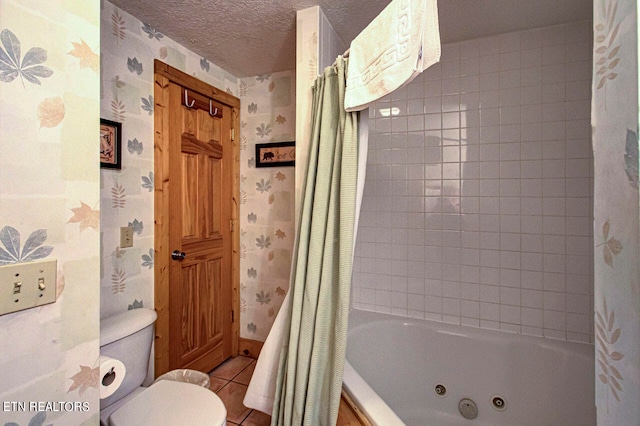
<point x="171" y="403"/>
<point x="127" y="337"/>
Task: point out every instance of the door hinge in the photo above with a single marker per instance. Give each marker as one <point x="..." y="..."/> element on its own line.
<point x="233" y="319"/>
<point x="233" y="135"/>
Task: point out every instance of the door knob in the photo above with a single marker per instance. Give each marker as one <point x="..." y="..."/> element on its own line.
<point x="178" y="255"/>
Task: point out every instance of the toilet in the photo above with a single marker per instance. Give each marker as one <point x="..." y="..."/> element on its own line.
<point x="127" y="337"/>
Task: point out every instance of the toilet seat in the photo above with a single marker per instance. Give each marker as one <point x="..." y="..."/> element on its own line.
<point x="171" y="403"/>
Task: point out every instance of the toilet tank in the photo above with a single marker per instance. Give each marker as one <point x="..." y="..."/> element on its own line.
<point x="127" y="337"/>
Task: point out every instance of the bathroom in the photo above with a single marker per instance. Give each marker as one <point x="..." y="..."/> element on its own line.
<point x="63" y="343"/>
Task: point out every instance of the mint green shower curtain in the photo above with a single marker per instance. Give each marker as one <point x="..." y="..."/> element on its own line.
<point x="312" y="359"/>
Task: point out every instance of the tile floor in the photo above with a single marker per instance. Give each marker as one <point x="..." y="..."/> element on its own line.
<point x="230" y="381"/>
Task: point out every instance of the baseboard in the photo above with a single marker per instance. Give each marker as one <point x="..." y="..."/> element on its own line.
<point x="353" y="410"/>
<point x="250" y="348"/>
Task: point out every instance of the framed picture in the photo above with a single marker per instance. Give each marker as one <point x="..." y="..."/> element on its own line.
<point x="110" y="144"/>
<point x="275" y="154"/>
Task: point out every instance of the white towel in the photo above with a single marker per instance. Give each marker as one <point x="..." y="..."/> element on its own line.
<point x="392" y="50"/>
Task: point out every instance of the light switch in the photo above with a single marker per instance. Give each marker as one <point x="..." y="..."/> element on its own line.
<point x="27" y="285"/>
<point x="126" y="236"/>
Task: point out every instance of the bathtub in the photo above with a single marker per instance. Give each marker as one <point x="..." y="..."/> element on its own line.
<point x="394" y="365"/>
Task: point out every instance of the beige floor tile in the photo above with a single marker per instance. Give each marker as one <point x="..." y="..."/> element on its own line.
<point x="257" y="418"/>
<point x="231" y="367"/>
<point x="232" y="395"/>
<point x="245" y="376"/>
<point x="217" y="383"/>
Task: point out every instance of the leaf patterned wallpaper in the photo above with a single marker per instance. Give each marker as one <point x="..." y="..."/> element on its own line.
<point x="50" y="197"/>
<point x="616" y="208"/>
<point x="52" y="95"/>
<point x="128" y="48"/>
<point x="266" y="201"/>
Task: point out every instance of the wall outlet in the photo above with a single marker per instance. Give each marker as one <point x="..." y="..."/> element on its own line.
<point x="126" y="236"/>
<point x="27" y="285"/>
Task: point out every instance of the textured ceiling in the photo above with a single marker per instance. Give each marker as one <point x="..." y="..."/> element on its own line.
<point x="253" y="37"/>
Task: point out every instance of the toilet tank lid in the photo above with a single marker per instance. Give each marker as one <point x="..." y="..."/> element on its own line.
<point x="121" y="325"/>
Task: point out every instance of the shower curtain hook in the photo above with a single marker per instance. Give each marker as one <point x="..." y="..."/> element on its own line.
<point x="186" y="100"/>
<point x="211" y="106"/>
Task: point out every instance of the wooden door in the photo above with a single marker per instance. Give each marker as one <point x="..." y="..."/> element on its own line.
<point x="196" y="184"/>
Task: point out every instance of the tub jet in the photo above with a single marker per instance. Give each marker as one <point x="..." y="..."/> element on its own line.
<point x="468" y="409"/>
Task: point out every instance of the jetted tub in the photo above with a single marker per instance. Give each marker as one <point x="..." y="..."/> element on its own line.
<point x="415" y="372"/>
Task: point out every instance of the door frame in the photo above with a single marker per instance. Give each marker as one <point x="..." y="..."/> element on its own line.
<point x="163" y="75"/>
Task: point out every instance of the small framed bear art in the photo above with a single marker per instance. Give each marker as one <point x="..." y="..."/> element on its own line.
<point x="275" y="154"/>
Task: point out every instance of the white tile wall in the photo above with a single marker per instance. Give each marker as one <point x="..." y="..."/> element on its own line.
<point x="478" y="201"/>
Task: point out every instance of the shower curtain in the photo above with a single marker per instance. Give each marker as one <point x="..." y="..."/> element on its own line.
<point x="309" y="380"/>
